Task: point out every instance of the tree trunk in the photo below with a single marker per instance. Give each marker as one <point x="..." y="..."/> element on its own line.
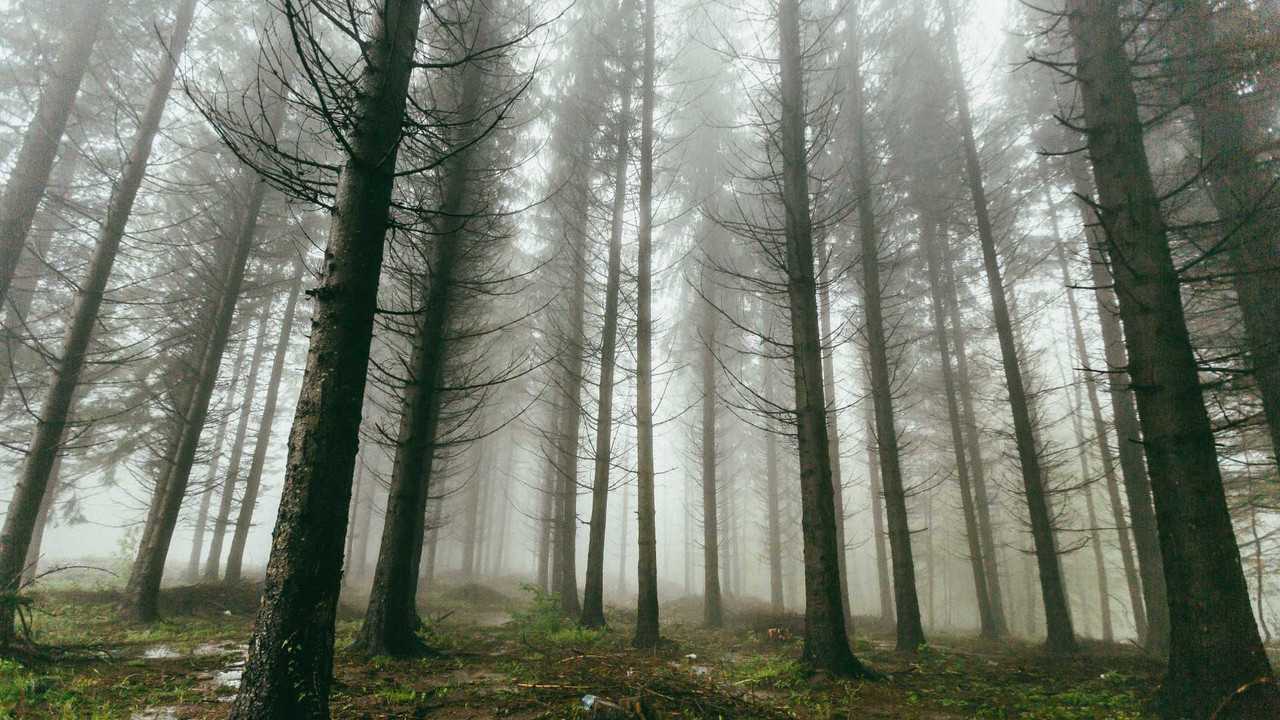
<point x="712" y="614"/>
<point x="1133" y="468"/>
<point x="1057" y="613"/>
<point x="773" y="500"/>
<point x="1104" y="449"/>
<point x="202" y="518"/>
<point x="56" y="408"/>
<point x="391" y="618"/>
<point x="1215" y="648"/>
<point x="833" y="425"/>
<point x="351" y="566"/>
<point x="973" y="447"/>
<point x="910" y="633"/>
<point x="30" y="174"/>
<point x="877" y="517"/>
<point x="546" y="506"/>
<point x="290" y="662"/>
<point x="647" y="535"/>
<point x="29" y="272"/>
<point x="1095" y="537"/>
<point x="31" y="565"/>
<point x="826" y="642"/>
<point x="214" y="561"/>
<point x="235" y="556"/>
<point x="1243" y="190"/>
<point x="929" y="237"/>
<point x="593" y="591"/>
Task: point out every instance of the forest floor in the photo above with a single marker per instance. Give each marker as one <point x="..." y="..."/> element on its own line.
<point x="507" y="654"/>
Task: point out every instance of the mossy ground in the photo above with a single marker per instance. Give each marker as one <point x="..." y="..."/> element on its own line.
<point x="506" y="653"/>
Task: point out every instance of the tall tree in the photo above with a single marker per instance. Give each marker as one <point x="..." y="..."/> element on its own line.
<point x="593" y="591"/>
<point x="647" y="536"/>
<point x="1057" y="612"/>
<point x="290" y="662"/>
<point x="56" y="407"/>
<point x="910" y="632"/>
<point x="826" y="643"/>
<point x="30" y="175"/>
<point x="249" y="499"/>
<point x="1214" y="644"/>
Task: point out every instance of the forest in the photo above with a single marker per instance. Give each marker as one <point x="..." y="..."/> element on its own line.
<point x="639" y="359"/>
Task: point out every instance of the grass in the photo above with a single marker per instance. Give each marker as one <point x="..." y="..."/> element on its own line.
<point x="538" y="665"/>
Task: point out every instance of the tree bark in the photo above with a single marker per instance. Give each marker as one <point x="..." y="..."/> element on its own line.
<point x="593" y="591"/>
<point x="235" y="556"/>
<point x="290" y="662"/>
<point x="773" y="499"/>
<point x="30" y="175"/>
<point x="1061" y="635"/>
<point x="56" y="407"/>
<point x="1214" y="648"/>
<point x="647" y="537"/>
<point x="826" y="643"/>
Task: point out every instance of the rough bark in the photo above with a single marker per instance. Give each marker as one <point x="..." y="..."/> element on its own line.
<point x="249" y="500"/>
<point x="773" y="501"/>
<point x="826" y="643"/>
<point x="1061" y="636"/>
<point x="56" y="407"/>
<point x="593" y="590"/>
<point x="1214" y="644"/>
<point x="647" y="537"/>
<point x="290" y="661"/>
<point x="29" y="177"/>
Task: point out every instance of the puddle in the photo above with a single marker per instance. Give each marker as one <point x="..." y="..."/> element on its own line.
<point x="229" y="678"/>
<point x="160" y="652"/>
<point x="222" y="648"/>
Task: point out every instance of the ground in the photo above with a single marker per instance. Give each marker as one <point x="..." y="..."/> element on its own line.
<point x="505" y="653"/>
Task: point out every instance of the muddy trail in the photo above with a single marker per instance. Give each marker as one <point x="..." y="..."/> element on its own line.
<point x="508" y="654"/>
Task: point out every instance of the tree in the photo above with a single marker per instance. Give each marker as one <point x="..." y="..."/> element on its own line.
<point x="47" y="438"/>
<point x="647" y="535"/>
<point x="593" y="591"/>
<point x="1057" y="611"/>
<point x="30" y="176"/>
<point x="1214" y="645"/>
<point x="826" y="645"/>
<point x="289" y="667"/>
